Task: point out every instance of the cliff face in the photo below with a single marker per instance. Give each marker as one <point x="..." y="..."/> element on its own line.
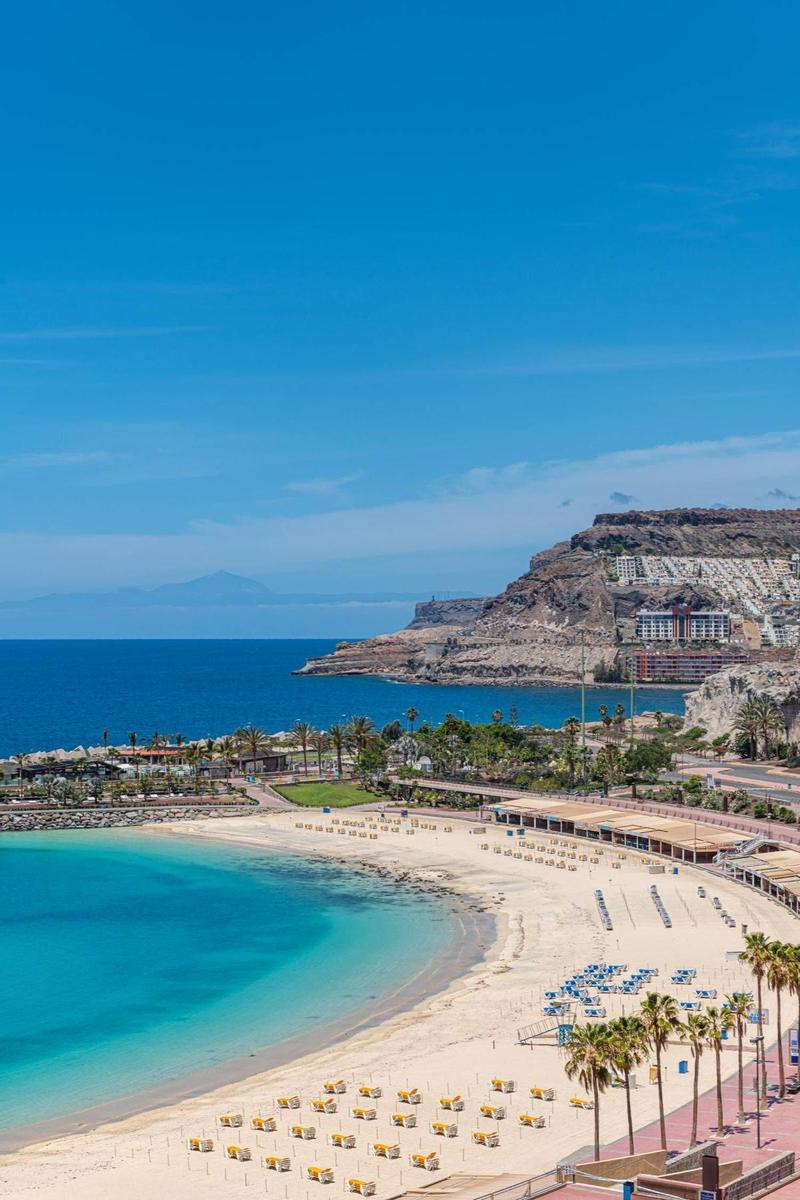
<point x="567" y="605"/>
<point x="716" y="702"/>
<point x="463" y="612"/>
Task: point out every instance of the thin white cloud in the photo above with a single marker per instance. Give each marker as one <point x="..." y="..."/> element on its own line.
<point x="773" y="140"/>
<point x="527" y="517"/>
<point x="322" y="486"/>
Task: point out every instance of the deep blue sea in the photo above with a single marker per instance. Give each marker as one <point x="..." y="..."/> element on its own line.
<point x="64" y="693"/>
<point x="131" y="960"/>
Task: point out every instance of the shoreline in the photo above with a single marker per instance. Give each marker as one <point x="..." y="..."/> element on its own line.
<point x="545" y="925"/>
<point x="478" y="935"/>
<point x="475" y="682"/>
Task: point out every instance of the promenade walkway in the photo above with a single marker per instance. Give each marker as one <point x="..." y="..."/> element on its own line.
<point x="780" y="1126"/>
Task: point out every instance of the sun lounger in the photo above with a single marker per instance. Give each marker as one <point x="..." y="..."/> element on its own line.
<point x="428" y="1162"/>
<point x="363" y="1114"/>
<point x="263" y="1124"/>
<point x="486" y="1137"/>
<point x="543" y="1093"/>
<point x="288" y="1101"/>
<point x="319" y="1174"/>
<point x="342" y="1141"/>
<point x="369" y="1092"/>
<point x="444" y="1129"/>
<point x="503" y="1085"/>
<point x="495" y="1112"/>
<point x="409" y="1096"/>
<point x="451" y="1103"/>
<point x="240" y="1153"/>
<point x="305" y="1132"/>
<point x="404" y="1120"/>
<point x="324" y="1104"/>
<point x="334" y="1087"/>
<point x="277" y="1162"/>
<point x="231" y="1120"/>
<point x="384" y="1149"/>
<point x="364" y="1187"/>
<point x="201" y="1144"/>
<point x="580" y="1102"/>
<point x="532" y="1121"/>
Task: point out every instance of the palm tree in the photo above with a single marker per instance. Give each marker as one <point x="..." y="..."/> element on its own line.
<point x="793" y="969"/>
<point x="133" y="738"/>
<point x="319" y="743"/>
<point x="337" y="735"/>
<point x="627" y="1051"/>
<point x="411" y="716"/>
<point x="659" y="1014"/>
<point x="778" y="977"/>
<point x="252" y="743"/>
<point x="770" y="720"/>
<point x="497" y="716"/>
<point x="572" y="728"/>
<point x="568" y="761"/>
<point x="747" y="724"/>
<point x="193" y="755"/>
<point x="608" y="765"/>
<point x="21" y="760"/>
<point x="756" y="956"/>
<point x="588" y="1055"/>
<point x="718" y="1021"/>
<point x="619" y="718"/>
<point x="695" y="1032"/>
<point x="105" y="740"/>
<point x="361" y="731"/>
<point x="739" y="1005"/>
<point x="226" y="751"/>
<point x="301" y="737"/>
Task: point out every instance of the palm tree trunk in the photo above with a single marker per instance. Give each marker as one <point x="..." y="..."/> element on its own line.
<point x="781" y="1071"/>
<point x="741" y="1072"/>
<point x="339" y="760"/>
<point x="718" y="1064"/>
<point x="596" y="1097"/>
<point x="760" y="1047"/>
<point x="631" y="1147"/>
<point x="695" y="1092"/>
<point x="661" y="1122"/>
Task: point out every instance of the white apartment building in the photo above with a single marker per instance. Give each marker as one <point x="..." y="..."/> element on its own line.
<point x="680" y="624"/>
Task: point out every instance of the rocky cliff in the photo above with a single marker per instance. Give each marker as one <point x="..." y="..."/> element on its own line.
<point x="716" y="702"/>
<point x="568" y="605"/>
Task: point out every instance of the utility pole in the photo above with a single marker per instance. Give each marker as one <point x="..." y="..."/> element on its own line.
<point x="583" y="690"/>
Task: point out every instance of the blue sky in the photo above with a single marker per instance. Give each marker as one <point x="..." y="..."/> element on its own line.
<point x="387" y="296"/>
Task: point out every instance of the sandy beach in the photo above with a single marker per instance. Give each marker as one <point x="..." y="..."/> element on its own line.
<point x="453" y="1043"/>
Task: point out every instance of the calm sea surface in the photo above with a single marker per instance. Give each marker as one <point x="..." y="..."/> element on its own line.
<point x="64" y="693"/>
<point x="130" y="960"/>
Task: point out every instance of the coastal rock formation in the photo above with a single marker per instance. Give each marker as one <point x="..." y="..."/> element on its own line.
<point x="568" y="606"/>
<point x="716" y="702"/>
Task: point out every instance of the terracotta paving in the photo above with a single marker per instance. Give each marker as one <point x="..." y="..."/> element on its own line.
<point x="780" y="1126"/>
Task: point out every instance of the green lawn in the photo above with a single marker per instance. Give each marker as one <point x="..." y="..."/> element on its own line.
<point x="319" y="795"/>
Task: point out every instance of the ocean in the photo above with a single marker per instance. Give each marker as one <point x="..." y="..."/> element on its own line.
<point x="65" y="693"/>
<point x="131" y="960"/>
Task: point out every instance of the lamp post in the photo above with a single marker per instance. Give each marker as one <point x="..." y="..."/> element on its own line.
<point x="756" y="1041"/>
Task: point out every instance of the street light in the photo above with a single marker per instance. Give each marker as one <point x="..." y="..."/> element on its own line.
<point x="757" y="1042"/>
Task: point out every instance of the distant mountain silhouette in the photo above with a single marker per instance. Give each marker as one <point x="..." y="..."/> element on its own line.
<point x="222" y="589"/>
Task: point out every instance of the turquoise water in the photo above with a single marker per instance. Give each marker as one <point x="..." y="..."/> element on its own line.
<point x="129" y="960"/>
<point x="67" y="693"/>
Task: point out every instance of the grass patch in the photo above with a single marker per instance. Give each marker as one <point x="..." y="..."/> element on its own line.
<point x="321" y="795"/>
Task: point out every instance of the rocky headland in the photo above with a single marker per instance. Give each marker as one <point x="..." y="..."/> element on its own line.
<point x="568" y="607"/>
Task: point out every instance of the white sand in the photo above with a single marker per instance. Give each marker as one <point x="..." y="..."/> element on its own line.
<point x="547" y="927"/>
